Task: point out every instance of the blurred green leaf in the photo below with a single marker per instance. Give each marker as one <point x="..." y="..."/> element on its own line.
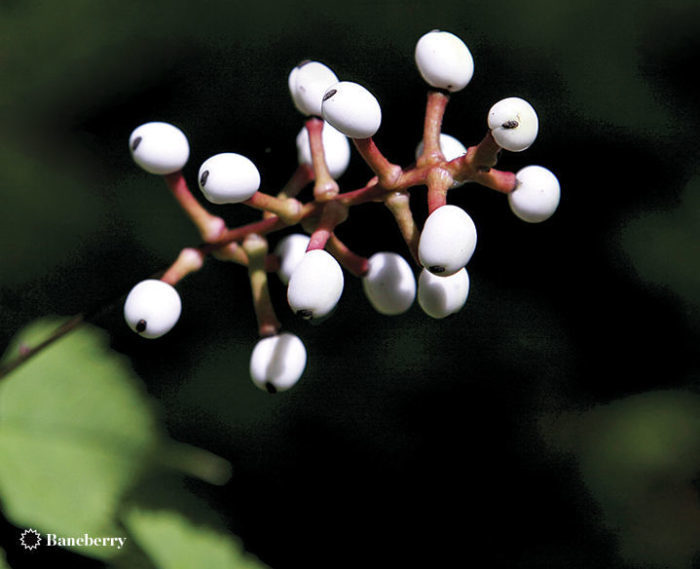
<point x="638" y="457"/>
<point x="174" y="542"/>
<point x="3" y="561"/>
<point x="665" y="245"/>
<point x="75" y="430"/>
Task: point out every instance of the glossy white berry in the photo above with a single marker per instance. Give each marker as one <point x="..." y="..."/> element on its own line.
<point x="447" y="241"/>
<point x="336" y="149"/>
<point x="441" y="296"/>
<point x="315" y="285"/>
<point x="277" y="362"/>
<point x="513" y="123"/>
<point x="352" y="109"/>
<point x="444" y="61"/>
<point x="536" y="195"/>
<point x="389" y="283"/>
<point x="152" y="308"/>
<point x="308" y="81"/>
<point x="228" y="178"/>
<point x="290" y="250"/>
<point x="159" y="148"/>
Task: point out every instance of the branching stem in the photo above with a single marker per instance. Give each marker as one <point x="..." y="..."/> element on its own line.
<point x="329" y="207"/>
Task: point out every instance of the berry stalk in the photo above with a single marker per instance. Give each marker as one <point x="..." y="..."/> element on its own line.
<point x="432" y="126"/>
<point x="288" y="209"/>
<point x="353" y="263"/>
<point x="210" y="226"/>
<point x="333" y="214"/>
<point x="439" y="182"/>
<point x="325" y="187"/>
<point x="399" y="205"/>
<point x="188" y="261"/>
<point x="256" y="248"/>
<point x="387" y="172"/>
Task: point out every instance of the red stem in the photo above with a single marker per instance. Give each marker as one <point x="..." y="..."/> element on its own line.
<point x="387" y="172"/>
<point x="432" y="126"/>
<point x="325" y="187"/>
<point x="354" y="263"/>
<point x="209" y="226"/>
<point x="333" y="214"/>
<point x="301" y="177"/>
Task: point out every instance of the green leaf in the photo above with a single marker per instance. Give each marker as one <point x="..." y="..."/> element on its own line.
<point x="76" y="430"/>
<point x="664" y="245"/>
<point x="174" y="542"/>
<point x="3" y="561"/>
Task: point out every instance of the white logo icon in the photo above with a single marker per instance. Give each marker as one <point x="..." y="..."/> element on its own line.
<point x="30" y="539"/>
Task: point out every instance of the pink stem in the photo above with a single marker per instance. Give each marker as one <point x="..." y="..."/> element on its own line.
<point x="325" y="187"/>
<point x="387" y="172"/>
<point x="399" y="205"/>
<point x="209" y="226"/>
<point x="256" y="248"/>
<point x="260" y="227"/>
<point x="333" y="214"/>
<point x="301" y="177"/>
<point x="188" y="261"/>
<point x="439" y="182"/>
<point x="287" y="208"/>
<point x="354" y="263"/>
<point x="432" y="126"/>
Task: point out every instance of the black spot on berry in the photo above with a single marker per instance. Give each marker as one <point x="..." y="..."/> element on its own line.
<point x="135" y="144"/>
<point x="329" y="94"/>
<point x="305" y="314"/>
<point x="270" y="388"/>
<point x="510" y="124"/>
<point x="141" y="326"/>
<point x="203" y="178"/>
<point x="436" y="269"/>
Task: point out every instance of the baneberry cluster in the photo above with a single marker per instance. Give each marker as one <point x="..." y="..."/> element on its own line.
<point x="311" y="263"/>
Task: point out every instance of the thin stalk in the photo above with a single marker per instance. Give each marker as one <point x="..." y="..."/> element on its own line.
<point x="209" y="226"/>
<point x="432" y="126"/>
<point x="256" y="248"/>
<point x="354" y="263"/>
<point x="325" y="187"/>
<point x="387" y="173"/>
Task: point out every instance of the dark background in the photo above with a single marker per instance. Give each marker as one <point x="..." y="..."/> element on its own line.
<point x="408" y="442"/>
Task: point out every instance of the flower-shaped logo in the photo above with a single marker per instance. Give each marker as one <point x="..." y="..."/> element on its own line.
<point x="30" y="539"/>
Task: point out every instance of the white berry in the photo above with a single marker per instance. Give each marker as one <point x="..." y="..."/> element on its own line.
<point x="447" y="241"/>
<point x="228" y="178"/>
<point x="444" y="61"/>
<point x="336" y="149"/>
<point x="290" y="250"/>
<point x="441" y="296"/>
<point x="352" y="109"/>
<point x="315" y="285"/>
<point x="389" y="283"/>
<point x="308" y="81"/>
<point x="152" y="308"/>
<point x="536" y="195"/>
<point x="277" y="362"/>
<point x="159" y="148"/>
<point x="513" y="123"/>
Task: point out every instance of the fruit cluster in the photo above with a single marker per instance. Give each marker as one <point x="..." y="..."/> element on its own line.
<point x="311" y="263"/>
